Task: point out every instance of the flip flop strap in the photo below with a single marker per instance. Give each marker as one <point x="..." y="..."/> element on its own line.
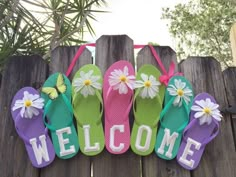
<point x="99" y="121"/>
<point x="166" y="108"/>
<point x="22" y="135"/>
<point x="108" y="99"/>
<point x="166" y="76"/>
<point x="154" y="124"/>
<point x="206" y="141"/>
<point x="47" y="107"/>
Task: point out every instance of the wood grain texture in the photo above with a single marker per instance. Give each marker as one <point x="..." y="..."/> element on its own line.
<point x="219" y="157"/>
<point x="153" y="165"/>
<point x="230" y="88"/>
<point x="19" y="72"/>
<point x="62" y="57"/>
<point x="0" y="79"/>
<point x="165" y="53"/>
<point x="110" y="49"/>
<point x="80" y="164"/>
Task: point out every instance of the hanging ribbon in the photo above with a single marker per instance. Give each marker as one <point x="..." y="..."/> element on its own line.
<point x="76" y="57"/>
<point x="164" y="78"/>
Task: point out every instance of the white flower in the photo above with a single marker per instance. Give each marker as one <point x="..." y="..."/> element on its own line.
<point x="206" y="110"/>
<point x="121" y="80"/>
<point x="149" y="86"/>
<point x="180" y="91"/>
<point x="87" y="83"/>
<point x="30" y="105"/>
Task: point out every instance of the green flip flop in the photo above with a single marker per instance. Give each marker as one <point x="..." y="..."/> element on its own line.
<point x="174" y="117"/>
<point x="148" y="98"/>
<point x="88" y="109"/>
<point x="58" y="115"/>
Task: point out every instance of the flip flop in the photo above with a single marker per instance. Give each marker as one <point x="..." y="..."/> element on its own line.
<point x="88" y="109"/>
<point x="147" y="106"/>
<point x="202" y="129"/>
<point x="174" y="117"/>
<point x="117" y="94"/>
<point x="58" y="115"/>
<point x="27" y="114"/>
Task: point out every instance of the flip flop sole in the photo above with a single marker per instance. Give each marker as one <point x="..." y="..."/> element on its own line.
<point x="174" y="118"/>
<point x="60" y="116"/>
<point x="198" y="133"/>
<point x="87" y="112"/>
<point x="147" y="112"/>
<point x="115" y="110"/>
<point x="32" y="128"/>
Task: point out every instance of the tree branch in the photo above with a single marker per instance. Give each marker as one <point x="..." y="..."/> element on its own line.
<point x="58" y="26"/>
<point x="67" y="35"/>
<point x="219" y="49"/>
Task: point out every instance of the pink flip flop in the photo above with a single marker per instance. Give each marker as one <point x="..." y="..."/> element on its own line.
<point x="203" y="128"/>
<point x="27" y="113"/>
<point x="117" y="94"/>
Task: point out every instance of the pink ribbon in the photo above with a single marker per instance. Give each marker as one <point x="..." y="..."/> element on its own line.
<point x="164" y="78"/>
<point x="76" y="57"/>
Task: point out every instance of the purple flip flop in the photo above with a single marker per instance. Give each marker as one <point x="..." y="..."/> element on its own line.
<point x="203" y="127"/>
<point x="27" y="113"/>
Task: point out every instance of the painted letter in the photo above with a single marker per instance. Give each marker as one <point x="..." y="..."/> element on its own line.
<point x="88" y="147"/>
<point x="40" y="152"/>
<point x="188" y="151"/>
<point x="62" y="142"/>
<point x="139" y="136"/>
<point x="168" y="141"/>
<point x="112" y="138"/>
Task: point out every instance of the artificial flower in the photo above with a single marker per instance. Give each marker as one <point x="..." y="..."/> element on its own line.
<point x="205" y="110"/>
<point x="121" y="80"/>
<point x="30" y="105"/>
<point x="87" y="83"/>
<point x="149" y="86"/>
<point x="180" y="91"/>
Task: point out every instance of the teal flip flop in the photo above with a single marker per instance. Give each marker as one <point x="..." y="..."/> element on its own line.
<point x="58" y="115"/>
<point x="174" y="117"/>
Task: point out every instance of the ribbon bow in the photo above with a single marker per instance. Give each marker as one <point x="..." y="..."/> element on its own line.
<point x="167" y="76"/>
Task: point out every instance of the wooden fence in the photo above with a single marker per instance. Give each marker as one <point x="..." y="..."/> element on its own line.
<point x="219" y="158"/>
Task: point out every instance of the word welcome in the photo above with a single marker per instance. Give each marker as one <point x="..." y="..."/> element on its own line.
<point x="169" y="139"/>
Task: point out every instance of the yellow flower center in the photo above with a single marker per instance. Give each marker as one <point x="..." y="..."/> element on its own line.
<point x="87" y="82"/>
<point x="207" y="111"/>
<point x="180" y="92"/>
<point x="147" y="84"/>
<point x="123" y="78"/>
<point x="28" y="103"/>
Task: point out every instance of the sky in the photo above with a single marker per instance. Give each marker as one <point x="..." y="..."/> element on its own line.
<point x="139" y="19"/>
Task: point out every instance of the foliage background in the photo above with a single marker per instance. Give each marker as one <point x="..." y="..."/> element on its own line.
<point x="44" y="25"/>
<point x="202" y="27"/>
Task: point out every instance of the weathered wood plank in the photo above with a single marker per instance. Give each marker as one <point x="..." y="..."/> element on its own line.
<point x="0" y="79"/>
<point x="62" y="56"/>
<point x="230" y="88"/>
<point x="153" y="165"/>
<point x="19" y="72"/>
<point x="80" y="164"/>
<point x="219" y="158"/>
<point x="108" y="50"/>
